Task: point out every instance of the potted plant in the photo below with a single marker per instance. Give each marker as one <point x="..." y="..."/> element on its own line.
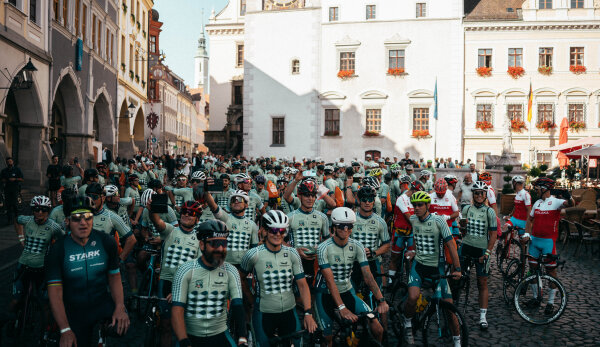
<point x="545" y="70"/>
<point x="131" y="74"/>
<point x="507" y="199"/>
<point x="345" y="74"/>
<point x="484" y="125"/>
<point x="420" y="133"/>
<point x="371" y="133"/>
<point x="577" y="69"/>
<point x="137" y="78"/>
<point x="144" y="33"/>
<point x="143" y="84"/>
<point x="138" y="25"/>
<point x="395" y="71"/>
<point x="576" y="125"/>
<point x="123" y="67"/>
<point x="132" y="16"/>
<point x="124" y="7"/>
<point x="517" y="125"/>
<point x="545" y="126"/>
<point x="516" y="71"/>
<point x="484" y="71"/>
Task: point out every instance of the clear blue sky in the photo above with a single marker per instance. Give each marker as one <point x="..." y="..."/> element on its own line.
<point x="180" y="31"/>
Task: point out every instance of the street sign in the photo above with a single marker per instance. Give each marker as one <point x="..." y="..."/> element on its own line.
<point x="154" y="140"/>
<point x="593" y="163"/>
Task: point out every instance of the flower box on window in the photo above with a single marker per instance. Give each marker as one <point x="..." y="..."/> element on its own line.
<point x="546" y="125"/>
<point x="131" y="74"/>
<point x="484" y="71"/>
<point x="396" y="71"/>
<point x="344" y="74"/>
<point x="517" y="125"/>
<point x="576" y="125"/>
<point x="545" y="70"/>
<point x="371" y="133"/>
<point x="577" y="69"/>
<point x="516" y="71"/>
<point x="484" y="125"/>
<point x="332" y="133"/>
<point x="420" y="133"/>
<point x="123" y="67"/>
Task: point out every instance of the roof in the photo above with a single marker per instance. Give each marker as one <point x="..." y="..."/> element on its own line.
<point x="496" y="10"/>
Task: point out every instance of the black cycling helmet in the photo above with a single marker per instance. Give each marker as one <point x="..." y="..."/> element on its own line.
<point x="366" y="192"/>
<point x="89" y="173"/>
<point x="320" y="167"/>
<point x="307" y="187"/>
<point x="155" y="184"/>
<point x="544" y="182"/>
<point x="78" y="204"/>
<point x="211" y="229"/>
<point x="417" y="186"/>
<point x="94" y="188"/>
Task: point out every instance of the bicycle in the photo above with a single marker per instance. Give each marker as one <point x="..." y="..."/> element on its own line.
<point x="151" y="318"/>
<point x="29" y="324"/>
<point x="148" y="285"/>
<point x="315" y="339"/>
<point x="355" y="334"/>
<point x="528" y="301"/>
<point x="463" y="284"/>
<point x="512" y="275"/>
<point x="509" y="247"/>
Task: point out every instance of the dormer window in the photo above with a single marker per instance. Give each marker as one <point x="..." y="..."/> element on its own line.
<point x="545" y="4"/>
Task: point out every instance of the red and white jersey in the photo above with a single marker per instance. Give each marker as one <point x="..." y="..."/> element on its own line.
<point x="522" y="201"/>
<point x="443" y="206"/>
<point x="491" y="196"/>
<point x="403" y="206"/>
<point x="546" y="214"/>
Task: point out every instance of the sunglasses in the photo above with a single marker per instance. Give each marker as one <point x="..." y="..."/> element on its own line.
<point x="310" y="195"/>
<point x="40" y="209"/>
<point x="196" y="181"/>
<point x="478" y="193"/>
<point x="237" y="199"/>
<point x="275" y="231"/>
<point x="367" y="199"/>
<point x="216" y="243"/>
<point x="94" y="196"/>
<point x="182" y="179"/>
<point x="190" y="213"/>
<point x="246" y="181"/>
<point x="77" y="217"/>
<point x="343" y="226"/>
<point x="418" y="204"/>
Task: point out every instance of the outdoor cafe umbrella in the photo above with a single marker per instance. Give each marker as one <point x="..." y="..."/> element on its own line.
<point x="563" y="137"/>
<point x="592" y="152"/>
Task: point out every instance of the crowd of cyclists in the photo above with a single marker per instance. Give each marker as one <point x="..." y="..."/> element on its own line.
<point x="251" y="249"/>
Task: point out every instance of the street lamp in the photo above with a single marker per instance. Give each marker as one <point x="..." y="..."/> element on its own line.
<point x="23" y="79"/>
<point x="131" y="109"/>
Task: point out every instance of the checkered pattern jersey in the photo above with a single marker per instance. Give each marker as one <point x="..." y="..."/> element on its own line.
<point x="272" y="280"/>
<point x="133" y="193"/>
<point x="367" y="238"/>
<point x="428" y="235"/>
<point x="37" y="240"/>
<point x="301" y="232"/>
<point x="176" y="255"/>
<point x="342" y="269"/>
<point x="480" y="222"/>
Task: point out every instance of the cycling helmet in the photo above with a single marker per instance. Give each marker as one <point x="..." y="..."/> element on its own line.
<point x="440" y="186"/>
<point x="328" y="169"/>
<point x="275" y="219"/>
<point x="395" y="168"/>
<point x="210" y="229"/>
<point x="236" y="165"/>
<point x="146" y="197"/>
<point x="294" y="171"/>
<point x="366" y="192"/>
<point x="420" y="197"/>
<point x="198" y="175"/>
<point x="111" y="190"/>
<point x="371" y="182"/>
<point x="133" y="177"/>
<point x="416" y="186"/>
<point x="355" y="163"/>
<point x="40" y="201"/>
<point x="425" y="173"/>
<point x="544" y="182"/>
<point x="485" y="176"/>
<point x="287" y="170"/>
<point x="89" y="173"/>
<point x="155" y="184"/>
<point x="320" y="167"/>
<point x="518" y="179"/>
<point x="405" y="179"/>
<point x="240" y="193"/>
<point x="260" y="179"/>
<point x="192" y="206"/>
<point x="307" y="187"/>
<point x="376" y="172"/>
<point x="239" y="178"/>
<point x="78" y="204"/>
<point x="281" y="179"/>
<point x="479" y="185"/>
<point x="451" y="179"/>
<point x="94" y="188"/>
<point x="343" y="215"/>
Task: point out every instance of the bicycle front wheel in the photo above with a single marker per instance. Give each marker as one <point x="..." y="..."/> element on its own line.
<point x="513" y="250"/>
<point x="511" y="279"/>
<point x="540" y="299"/>
<point x="443" y="325"/>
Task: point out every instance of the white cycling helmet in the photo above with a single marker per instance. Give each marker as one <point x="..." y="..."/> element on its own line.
<point x="276" y="219"/>
<point x="343" y="215"/>
<point x="242" y="177"/>
<point x="425" y="173"/>
<point x="294" y="171"/>
<point x="242" y="194"/>
<point x="40" y="201"/>
<point x="479" y="185"/>
<point x="111" y="190"/>
<point x="328" y="169"/>
<point x="146" y="196"/>
<point x="287" y="170"/>
<point x="518" y="179"/>
<point x="371" y="182"/>
<point x="198" y="175"/>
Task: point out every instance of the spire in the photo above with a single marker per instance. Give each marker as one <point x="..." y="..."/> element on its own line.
<point x="201" y="52"/>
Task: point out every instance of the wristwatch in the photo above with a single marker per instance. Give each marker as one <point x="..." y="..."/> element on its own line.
<point x="381" y="300"/>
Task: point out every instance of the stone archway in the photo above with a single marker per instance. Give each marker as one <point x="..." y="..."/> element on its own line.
<point x="126" y="146"/>
<point x="103" y="130"/>
<point x="138" y="130"/>
<point x="67" y="121"/>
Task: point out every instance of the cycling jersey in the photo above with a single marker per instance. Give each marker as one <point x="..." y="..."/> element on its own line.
<point x="522" y="201"/>
<point x="168" y="218"/>
<point x="403" y="206"/>
<point x="275" y="273"/>
<point x="143" y="178"/>
<point x="58" y="215"/>
<point x="371" y="232"/>
<point x="427" y="236"/>
<point x="243" y="235"/>
<point x="182" y="195"/>
<point x="467" y="195"/>
<point x="106" y="220"/>
<point x="287" y="207"/>
<point x="122" y="210"/>
<point x="427" y="186"/>
<point x="222" y="198"/>
<point x="330" y="184"/>
<point x="70" y="182"/>
<point x="307" y="228"/>
<point x="82" y="270"/>
<point x="263" y="195"/>
<point x="445" y="205"/>
<point x="340" y="260"/>
<point x="255" y="203"/>
<point x="178" y="247"/>
<point x="480" y="221"/>
<point x="160" y="174"/>
<point x="546" y="214"/>
<point x="491" y="195"/>
<point x="37" y="240"/>
<point x="133" y="193"/>
<point x="203" y="292"/>
<point x="82" y="189"/>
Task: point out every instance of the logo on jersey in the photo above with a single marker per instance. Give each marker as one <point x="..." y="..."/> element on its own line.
<point x="301" y="223"/>
<point x="351" y="248"/>
<point x="93" y="243"/>
<point x="199" y="283"/>
<point x="285" y="255"/>
<point x="221" y="274"/>
<point x="269" y="265"/>
<point x="337" y="258"/>
<point x="84" y="256"/>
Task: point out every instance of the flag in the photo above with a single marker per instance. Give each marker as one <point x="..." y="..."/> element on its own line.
<point x="435" y="109"/>
<point x="529" y="104"/>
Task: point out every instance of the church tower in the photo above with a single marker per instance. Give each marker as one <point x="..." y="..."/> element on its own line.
<point x="201" y="63"/>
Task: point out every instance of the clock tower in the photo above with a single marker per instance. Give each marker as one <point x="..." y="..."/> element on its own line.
<point x="201" y="64"/>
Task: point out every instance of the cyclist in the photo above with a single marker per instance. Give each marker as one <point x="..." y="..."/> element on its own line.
<point x="57" y="214"/>
<point x="373" y="182"/>
<point x="395" y="190"/>
<point x="452" y="182"/>
<point x="117" y="204"/>
<point x="478" y="242"/>
<point x="465" y="195"/>
<point x="80" y="268"/>
<point x="542" y="224"/>
<point x="222" y="198"/>
<point x="148" y="228"/>
<point x="182" y="192"/>
<point x="133" y="191"/>
<point x="89" y="176"/>
<point x="244" y="183"/>
<point x="443" y="203"/>
<point x="425" y="178"/>
<point x="336" y="257"/>
<point x="429" y="231"/>
<point x="522" y="208"/>
<point x="320" y="205"/>
<point x="201" y="290"/>
<point x="486" y="177"/>
<point x="260" y="190"/>
<point x="276" y="268"/>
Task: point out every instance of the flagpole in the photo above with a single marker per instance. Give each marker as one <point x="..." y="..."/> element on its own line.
<point x="530" y="118"/>
<point x="435" y="116"/>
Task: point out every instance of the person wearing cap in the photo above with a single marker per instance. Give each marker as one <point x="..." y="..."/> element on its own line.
<point x="409" y="170"/>
<point x="222" y="198"/>
<point x="244" y="182"/>
<point x="181" y="192"/>
<point x="80" y="268"/>
<point x="68" y="179"/>
<point x="102" y="173"/>
<point x="431" y="168"/>
<point x="133" y="191"/>
<point x="201" y="320"/>
<point x="89" y="176"/>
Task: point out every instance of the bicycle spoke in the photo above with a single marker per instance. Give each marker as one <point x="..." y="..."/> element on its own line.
<point x="540" y="299"/>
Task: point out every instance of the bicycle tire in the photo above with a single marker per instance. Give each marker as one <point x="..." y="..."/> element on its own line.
<point x="511" y="279"/>
<point x="515" y="251"/>
<point x="430" y="317"/>
<point x="521" y="310"/>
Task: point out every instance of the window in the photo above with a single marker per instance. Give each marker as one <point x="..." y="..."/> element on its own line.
<point x="242" y="7"/>
<point x="544" y="159"/>
<point x="514" y="112"/>
<point x="421" y="118"/>
<point x="33" y="10"/>
<point x="93" y="30"/>
<point x="123" y="55"/>
<point x="106" y="45"/>
<point x="545" y="113"/>
<point x="76" y="16"/>
<point x="374" y="120"/>
<point x="278" y="130"/>
<point x="238" y="94"/>
<point x="545" y="4"/>
<point x="143" y="20"/>
<point x="346" y="61"/>
<point x="515" y="57"/>
<point x="137" y="60"/>
<point x="99" y="36"/>
<point x="332" y="122"/>
<point x="152" y="44"/>
<point x="295" y="66"/>
<point x="576" y="112"/>
<point x="84" y="22"/>
<point x="239" y="59"/>
<point x="130" y="57"/>
<point x="334" y="14"/>
<point x="485" y="58"/>
<point x="546" y="57"/>
<point x="576" y="56"/>
<point x="13" y="2"/>
<point x="137" y="10"/>
<point x="396" y="59"/>
<point x="481" y="160"/>
<point x="112" y="43"/>
<point x="370" y="11"/>
<point x="576" y="3"/>
<point x="55" y="8"/>
<point x="65" y="12"/>
<point x="421" y="9"/>
<point x="484" y="113"/>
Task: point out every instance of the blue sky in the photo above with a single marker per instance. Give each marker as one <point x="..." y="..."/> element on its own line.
<point x="180" y="31"/>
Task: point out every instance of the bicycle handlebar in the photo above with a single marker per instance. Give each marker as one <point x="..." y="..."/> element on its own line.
<point x="149" y="298"/>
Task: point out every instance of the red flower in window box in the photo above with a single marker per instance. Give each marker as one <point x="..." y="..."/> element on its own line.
<point x="420" y="133"/>
<point x="395" y="71"/>
<point x="517" y="125"/>
<point x="546" y="125"/>
<point x="343" y="74"/>
<point x="576" y="126"/>
<point x="371" y="133"/>
<point x="516" y="71"/>
<point x="577" y="69"/>
<point x="484" y="125"/>
<point x="545" y="70"/>
<point x="484" y="71"/>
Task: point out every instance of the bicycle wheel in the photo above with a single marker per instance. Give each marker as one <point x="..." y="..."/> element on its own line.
<point x="532" y="296"/>
<point x="441" y="326"/>
<point x="511" y="279"/>
<point x="32" y="324"/>
<point x="514" y="250"/>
